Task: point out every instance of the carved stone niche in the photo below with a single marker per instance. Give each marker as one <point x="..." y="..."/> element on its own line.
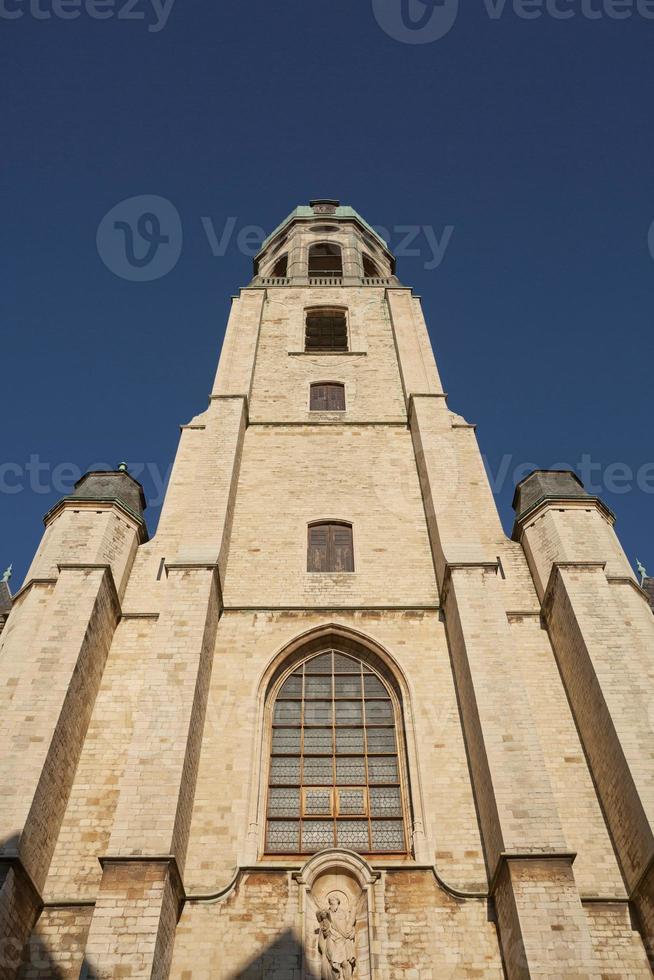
<point x="337" y="901"/>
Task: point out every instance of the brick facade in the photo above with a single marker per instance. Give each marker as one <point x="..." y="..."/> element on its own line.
<point x="137" y="679"/>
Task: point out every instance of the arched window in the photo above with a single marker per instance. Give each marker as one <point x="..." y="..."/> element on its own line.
<point x="325" y="259"/>
<point x="280" y="267"/>
<point x="369" y="267"/>
<point x="329" y="547"/>
<point x="335" y="777"/>
<point x="327" y="396"/>
<point x="325" y="329"/>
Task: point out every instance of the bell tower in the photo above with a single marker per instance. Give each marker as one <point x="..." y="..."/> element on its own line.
<point x="329" y="720"/>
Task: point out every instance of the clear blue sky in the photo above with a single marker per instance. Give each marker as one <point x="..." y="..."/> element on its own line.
<point x="531" y="137"/>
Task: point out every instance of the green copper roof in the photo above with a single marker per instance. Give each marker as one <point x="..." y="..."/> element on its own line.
<point x="342" y="211"/>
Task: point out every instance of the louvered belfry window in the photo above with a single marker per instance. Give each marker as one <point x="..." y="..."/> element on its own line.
<point x="330" y="548"/>
<point x="334" y="776"/>
<point x="327" y="397"/>
<point x="325" y="330"/>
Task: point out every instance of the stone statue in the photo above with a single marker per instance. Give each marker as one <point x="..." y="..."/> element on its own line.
<point x="336" y="942"/>
<point x="642" y="571"/>
<point x="7" y="575"/>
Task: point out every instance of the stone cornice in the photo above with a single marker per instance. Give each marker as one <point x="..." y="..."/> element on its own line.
<point x="569" y="503"/>
<point x="534" y="855"/>
<point x="554" y="575"/>
<point x="106" y="860"/>
<point x="24" y="589"/>
<point x="411" y="397"/>
<point x="455" y="566"/>
<point x="87" y="503"/>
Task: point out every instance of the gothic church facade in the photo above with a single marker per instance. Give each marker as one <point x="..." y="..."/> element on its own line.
<point x="329" y="722"/>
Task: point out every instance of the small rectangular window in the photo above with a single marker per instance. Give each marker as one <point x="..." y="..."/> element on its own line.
<point x="327" y="397"/>
<point x="326" y="330"/>
<point x="330" y="548"/>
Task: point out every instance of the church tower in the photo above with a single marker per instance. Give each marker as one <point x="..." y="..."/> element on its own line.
<point x="329" y="722"/>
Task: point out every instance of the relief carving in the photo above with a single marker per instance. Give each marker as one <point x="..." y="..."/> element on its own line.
<point x="336" y="939"/>
<point x="337" y="901"/>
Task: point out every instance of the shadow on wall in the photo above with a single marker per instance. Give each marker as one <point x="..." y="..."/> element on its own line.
<point x="282" y="960"/>
<point x="34" y="961"/>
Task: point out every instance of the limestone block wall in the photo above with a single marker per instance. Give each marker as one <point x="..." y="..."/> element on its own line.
<point x="256" y="933"/>
<point x="292" y="476"/>
<point x="56" y="947"/>
<point x="75" y="871"/>
<point x="89" y="533"/>
<point x="284" y="371"/>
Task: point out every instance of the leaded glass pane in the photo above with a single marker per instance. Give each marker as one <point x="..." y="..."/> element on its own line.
<point x="284" y="803"/>
<point x="292" y="687"/>
<point x="287" y="712"/>
<point x="284" y="771"/>
<point x="318" y="741"/>
<point x="379" y="712"/>
<point x="319" y="686"/>
<point x="286" y="741"/>
<point x="318" y="771"/>
<point x="349" y="713"/>
<point x="317" y="712"/>
<point x="317" y="834"/>
<point x="374" y="687"/>
<point x="283" y="835"/>
<point x="318" y="802"/>
<point x="350" y="771"/>
<point x="351" y="802"/>
<point x="382" y="770"/>
<point x="349" y="741"/>
<point x="380" y="740"/>
<point x="347" y="686"/>
<point x="323" y="788"/>
<point x="387" y="835"/>
<point x="385" y="801"/>
<point x="353" y="834"/>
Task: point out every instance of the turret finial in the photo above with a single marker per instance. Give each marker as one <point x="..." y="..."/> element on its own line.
<point x="642" y="571"/>
<point x="122" y="467"/>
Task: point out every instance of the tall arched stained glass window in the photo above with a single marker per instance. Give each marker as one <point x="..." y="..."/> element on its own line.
<point x="335" y="777"/>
